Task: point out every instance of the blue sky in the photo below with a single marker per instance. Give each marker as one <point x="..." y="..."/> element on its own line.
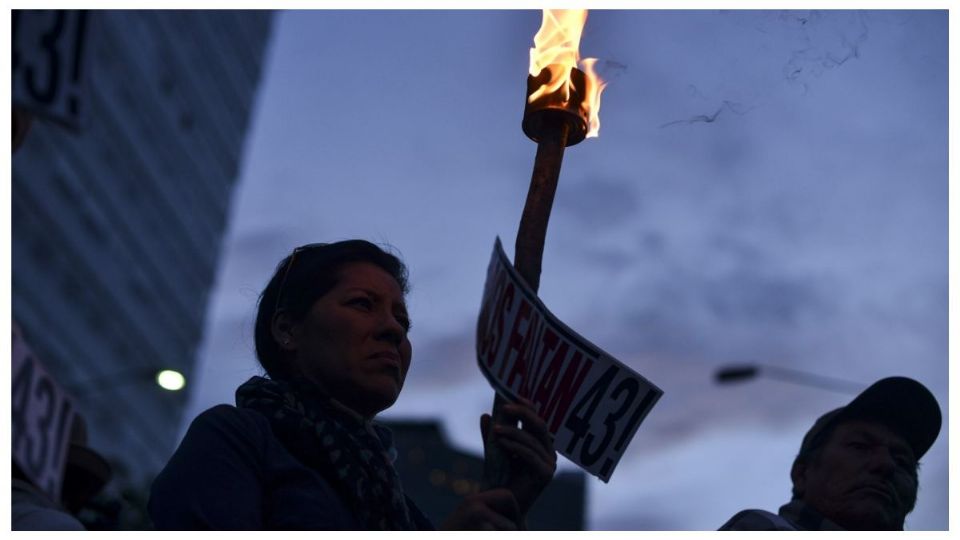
<point x="767" y="187"/>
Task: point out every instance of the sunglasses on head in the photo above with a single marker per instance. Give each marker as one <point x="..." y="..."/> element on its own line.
<point x="286" y="271"/>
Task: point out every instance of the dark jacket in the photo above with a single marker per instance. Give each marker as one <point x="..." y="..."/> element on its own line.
<point x="793" y="516"/>
<point x="231" y="472"/>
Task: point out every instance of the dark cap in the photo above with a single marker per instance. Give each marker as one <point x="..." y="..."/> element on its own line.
<point x="903" y="405"/>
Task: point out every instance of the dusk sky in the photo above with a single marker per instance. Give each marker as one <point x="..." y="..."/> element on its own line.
<point x="767" y="187"/>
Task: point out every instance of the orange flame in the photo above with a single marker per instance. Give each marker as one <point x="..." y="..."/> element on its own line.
<point x="558" y="43"/>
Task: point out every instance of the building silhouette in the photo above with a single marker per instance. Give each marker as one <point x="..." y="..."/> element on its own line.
<point x="117" y="226"/>
<point x="437" y="476"/>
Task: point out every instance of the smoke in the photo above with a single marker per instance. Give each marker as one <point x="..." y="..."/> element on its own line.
<point x="733" y="107"/>
<point x="826" y="42"/>
<point x="792" y="47"/>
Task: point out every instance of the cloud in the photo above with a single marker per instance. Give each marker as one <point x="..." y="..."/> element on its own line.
<point x="825" y="42"/>
<point x="599" y="203"/>
<point x="744" y="299"/>
<point x="715" y="476"/>
<point x="750" y="297"/>
<point x="447" y="359"/>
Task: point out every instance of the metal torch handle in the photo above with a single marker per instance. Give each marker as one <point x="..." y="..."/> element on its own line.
<point x="527" y="259"/>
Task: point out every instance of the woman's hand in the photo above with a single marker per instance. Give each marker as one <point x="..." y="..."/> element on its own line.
<point x="529" y="451"/>
<point x="491" y="510"/>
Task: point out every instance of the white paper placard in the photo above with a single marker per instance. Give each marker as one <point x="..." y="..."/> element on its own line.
<point x="50" y="63"/>
<point x="42" y="418"/>
<point x="591" y="402"/>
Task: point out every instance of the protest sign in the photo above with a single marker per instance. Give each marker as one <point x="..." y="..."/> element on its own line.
<point x="592" y="403"/>
<point x="49" y="67"/>
<point x="42" y="418"/>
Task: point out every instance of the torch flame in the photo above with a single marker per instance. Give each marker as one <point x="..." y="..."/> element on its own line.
<point x="557" y="43"/>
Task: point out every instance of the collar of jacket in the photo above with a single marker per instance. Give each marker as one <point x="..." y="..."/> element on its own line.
<point x="805" y="518"/>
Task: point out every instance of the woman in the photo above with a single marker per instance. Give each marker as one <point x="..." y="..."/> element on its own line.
<point x="300" y="450"/>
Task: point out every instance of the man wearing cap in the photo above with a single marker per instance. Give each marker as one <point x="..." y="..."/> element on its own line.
<point x="857" y="466"/>
<point x="85" y="474"/>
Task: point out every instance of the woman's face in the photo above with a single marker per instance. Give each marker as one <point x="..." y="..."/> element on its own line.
<point x="353" y="341"/>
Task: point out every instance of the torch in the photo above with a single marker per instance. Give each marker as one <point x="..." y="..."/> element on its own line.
<point x="562" y="109"/>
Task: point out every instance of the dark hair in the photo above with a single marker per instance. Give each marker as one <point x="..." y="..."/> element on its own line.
<point x="302" y="277"/>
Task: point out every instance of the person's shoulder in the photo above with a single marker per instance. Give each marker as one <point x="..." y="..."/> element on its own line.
<point x="217" y="469"/>
<point x="223" y="414"/>
<point x="39" y="518"/>
<point x="227" y="421"/>
<point x="32" y="510"/>
<point x="757" y="520"/>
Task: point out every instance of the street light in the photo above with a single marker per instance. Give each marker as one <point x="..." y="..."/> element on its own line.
<point x="744" y="372"/>
<point x="171" y="380"/>
<point x="168" y="379"/>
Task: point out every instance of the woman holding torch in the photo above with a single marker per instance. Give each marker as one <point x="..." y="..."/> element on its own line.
<point x="301" y="449"/>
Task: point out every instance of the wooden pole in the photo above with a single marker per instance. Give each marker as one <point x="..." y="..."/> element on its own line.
<point x="528" y="255"/>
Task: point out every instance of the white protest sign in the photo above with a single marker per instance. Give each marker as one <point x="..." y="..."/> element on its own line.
<point x="42" y="418"/>
<point x="49" y="49"/>
<point x="592" y="403"/>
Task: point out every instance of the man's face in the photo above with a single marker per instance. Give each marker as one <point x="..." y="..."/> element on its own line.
<point x="864" y="477"/>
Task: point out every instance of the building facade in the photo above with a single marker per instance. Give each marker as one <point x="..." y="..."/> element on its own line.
<point x="117" y="225"/>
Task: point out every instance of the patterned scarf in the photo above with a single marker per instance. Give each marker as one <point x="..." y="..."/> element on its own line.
<point x="348" y="452"/>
